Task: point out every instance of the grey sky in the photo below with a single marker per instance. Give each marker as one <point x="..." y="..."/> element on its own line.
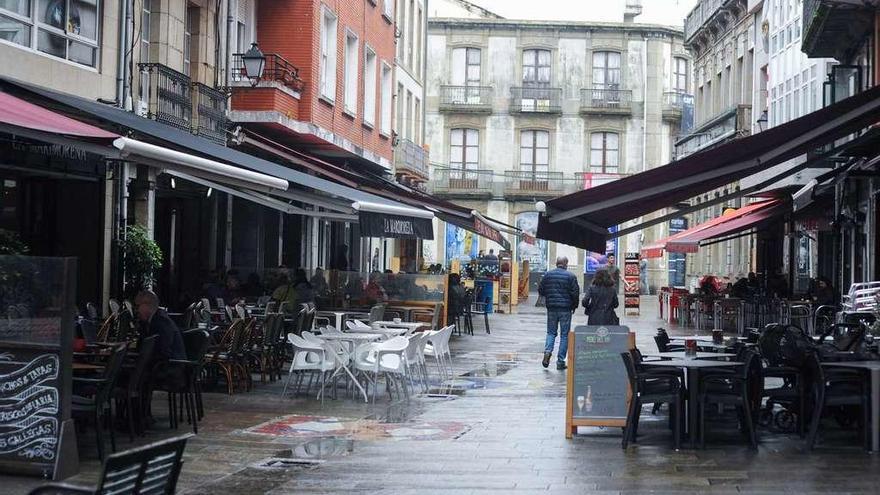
<point x="668" y="12"/>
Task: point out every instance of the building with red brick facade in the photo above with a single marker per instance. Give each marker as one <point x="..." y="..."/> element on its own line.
<point x="328" y="81"/>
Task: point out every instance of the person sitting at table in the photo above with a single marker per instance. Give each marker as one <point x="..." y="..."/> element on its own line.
<point x="294" y="293"/>
<point x="169" y="344"/>
<point x="319" y="283"/>
<point x="374" y="293"/>
<point x="822" y="293"/>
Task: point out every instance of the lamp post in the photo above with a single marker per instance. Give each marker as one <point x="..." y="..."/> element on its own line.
<point x="254" y="63"/>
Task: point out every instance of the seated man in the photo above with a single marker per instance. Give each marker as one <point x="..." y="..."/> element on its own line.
<point x="169" y="344"/>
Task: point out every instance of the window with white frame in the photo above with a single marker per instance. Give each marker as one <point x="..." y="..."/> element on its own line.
<point x="190" y="46"/>
<point x="680" y="75"/>
<point x="464" y="152"/>
<point x="351" y="72"/>
<point x="388" y="9"/>
<point x="66" y="29"/>
<point x="387" y="89"/>
<point x="410" y="33"/>
<point x="606" y="70"/>
<point x="534" y="152"/>
<point x="604" y="152"/>
<point x="329" y="23"/>
<point x="369" y="86"/>
<point x="466" y="67"/>
<point x="146" y="38"/>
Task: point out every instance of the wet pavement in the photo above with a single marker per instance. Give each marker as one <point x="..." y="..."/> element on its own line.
<point x="497" y="427"/>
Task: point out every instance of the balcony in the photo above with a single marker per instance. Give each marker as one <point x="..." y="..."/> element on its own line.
<point x="166" y="95"/>
<point x="834" y="28"/>
<point x="462" y="183"/>
<point x="466" y="99"/>
<point x="711" y="17"/>
<point x="277" y="70"/>
<point x="411" y="159"/>
<point x="533" y="184"/>
<point x="279" y="89"/>
<point x="674" y="104"/>
<point x="731" y="124"/>
<point x="210" y="105"/>
<point x="537" y="100"/>
<point x="606" y="101"/>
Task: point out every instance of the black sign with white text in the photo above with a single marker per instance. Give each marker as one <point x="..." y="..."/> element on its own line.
<point x="394" y="226"/>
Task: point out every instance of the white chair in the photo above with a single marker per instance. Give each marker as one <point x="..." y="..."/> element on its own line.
<point x="206" y="304"/>
<point x="114" y="306"/>
<point x="308" y="357"/>
<point x="438" y="348"/>
<point x="242" y="312"/>
<point x="128" y="306"/>
<point x="387" y="358"/>
<point x="220" y="302"/>
<point x="415" y="360"/>
<point x="91" y="311"/>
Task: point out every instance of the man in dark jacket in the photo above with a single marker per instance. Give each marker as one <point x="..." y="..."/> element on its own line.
<point x="561" y="294"/>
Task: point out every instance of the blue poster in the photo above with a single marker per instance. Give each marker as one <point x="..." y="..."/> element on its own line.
<point x="461" y="244"/>
<point x="597" y="261"/>
<point x="687" y="113"/>
<point x="529" y="247"/>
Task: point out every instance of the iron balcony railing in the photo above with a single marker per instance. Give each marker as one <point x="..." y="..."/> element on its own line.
<point x="167" y="95"/>
<point x="676" y="100"/>
<point x="730" y="124"/>
<point x="277" y="68"/>
<point x="466" y="182"/>
<point x="408" y="155"/>
<point x="535" y="183"/>
<point x="535" y="99"/>
<point x="210" y="106"/>
<point x="466" y="98"/>
<point x="702" y="12"/>
<point x="601" y="98"/>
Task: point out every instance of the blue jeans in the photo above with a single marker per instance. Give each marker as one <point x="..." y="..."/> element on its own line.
<point x="562" y="320"/>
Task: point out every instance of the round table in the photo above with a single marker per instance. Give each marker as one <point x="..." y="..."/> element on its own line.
<point x="682" y="355"/>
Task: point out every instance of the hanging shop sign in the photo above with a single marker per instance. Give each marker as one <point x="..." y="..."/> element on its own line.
<point x="394" y="226"/>
<point x="631" y="281"/>
<point x="483" y="229"/>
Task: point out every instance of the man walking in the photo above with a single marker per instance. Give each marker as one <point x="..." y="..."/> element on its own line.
<point x="561" y="294"/>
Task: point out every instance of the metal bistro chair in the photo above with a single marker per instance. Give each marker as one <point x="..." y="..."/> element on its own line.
<point x="653" y="388"/>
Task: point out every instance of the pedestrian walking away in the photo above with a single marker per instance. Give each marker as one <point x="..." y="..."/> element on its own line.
<point x="600" y="299"/>
<point x="561" y="291"/>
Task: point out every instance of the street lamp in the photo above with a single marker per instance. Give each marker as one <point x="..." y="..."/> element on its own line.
<point x="762" y="121"/>
<point x="254" y="63"/>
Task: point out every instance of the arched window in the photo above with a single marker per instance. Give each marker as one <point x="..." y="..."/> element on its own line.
<point x="604" y="152"/>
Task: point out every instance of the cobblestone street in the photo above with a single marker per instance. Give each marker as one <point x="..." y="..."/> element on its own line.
<point x="502" y="430"/>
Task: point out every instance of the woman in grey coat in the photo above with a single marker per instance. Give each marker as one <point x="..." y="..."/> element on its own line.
<point x="600" y="300"/>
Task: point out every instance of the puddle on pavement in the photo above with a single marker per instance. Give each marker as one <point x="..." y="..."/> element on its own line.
<point x="489" y="370"/>
<point x="260" y="477"/>
<point x="323" y="448"/>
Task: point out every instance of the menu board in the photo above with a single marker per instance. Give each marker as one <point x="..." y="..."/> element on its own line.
<point x="597" y="390"/>
<point x="631" y="281"/>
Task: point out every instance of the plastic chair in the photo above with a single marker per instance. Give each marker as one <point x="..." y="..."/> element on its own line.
<point x="438" y="348"/>
<point x="308" y="357"/>
<point x="743" y="390"/>
<point x="386" y="358"/>
<point x="835" y="388"/>
<point x="658" y="387"/>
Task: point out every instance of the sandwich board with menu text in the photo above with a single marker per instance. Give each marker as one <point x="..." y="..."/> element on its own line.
<point x="597" y="389"/>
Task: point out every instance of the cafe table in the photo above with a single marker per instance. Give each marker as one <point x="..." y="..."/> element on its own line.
<point x="693" y="368"/>
<point x="874" y="368"/>
<point x="682" y="355"/>
<point x="410" y="327"/>
<point x="336" y="317"/>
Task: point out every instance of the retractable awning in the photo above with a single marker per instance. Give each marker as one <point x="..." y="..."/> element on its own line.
<point x="732" y="222"/>
<point x="181" y="141"/>
<point x="582" y="219"/>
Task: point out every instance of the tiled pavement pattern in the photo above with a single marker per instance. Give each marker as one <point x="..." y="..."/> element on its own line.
<point x="500" y="432"/>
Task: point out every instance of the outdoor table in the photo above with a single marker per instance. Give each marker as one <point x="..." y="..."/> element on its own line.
<point x="351" y="339"/>
<point x="336" y="317"/>
<point x="692" y="367"/>
<point x="410" y="327"/>
<point x="682" y="355"/>
<point x="874" y="368"/>
<point x="86" y="367"/>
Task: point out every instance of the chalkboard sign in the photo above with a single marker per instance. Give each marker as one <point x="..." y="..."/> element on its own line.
<point x="36" y="343"/>
<point x="597" y="390"/>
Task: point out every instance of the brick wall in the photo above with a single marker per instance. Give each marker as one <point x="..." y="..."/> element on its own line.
<point x="292" y="28"/>
<point x="265" y="99"/>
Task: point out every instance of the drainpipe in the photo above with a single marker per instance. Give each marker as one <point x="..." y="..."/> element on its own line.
<point x="123" y="48"/>
<point x="424" y="71"/>
<point x="645" y="105"/>
<point x="226" y="56"/>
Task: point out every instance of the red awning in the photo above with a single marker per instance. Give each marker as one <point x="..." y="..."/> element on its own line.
<point x="19" y="113"/>
<point x="688" y="241"/>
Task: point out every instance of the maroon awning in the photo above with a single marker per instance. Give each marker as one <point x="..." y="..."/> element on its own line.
<point x="582" y="219"/>
<point x="19" y="113"/>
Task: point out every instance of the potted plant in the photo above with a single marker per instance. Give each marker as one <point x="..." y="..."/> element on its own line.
<point x="142" y="257"/>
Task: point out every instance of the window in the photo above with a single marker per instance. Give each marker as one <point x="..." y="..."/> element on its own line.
<point x="466" y="67"/>
<point x="385" y="126"/>
<point x="399" y="24"/>
<point x="146" y="14"/>
<point x="606" y="70"/>
<point x="604" y="152"/>
<point x="680" y="75"/>
<point x="464" y="151"/>
<point x="417" y="125"/>
<point x="536" y="67"/>
<point x="388" y="9"/>
<point x="369" y="86"/>
<point x="66" y="29"/>
<point x="418" y="44"/>
<point x="410" y="35"/>
<point x="534" y="152"/>
<point x="244" y="26"/>
<point x="399" y="120"/>
<point x="406" y="124"/>
<point x="328" y="55"/>
<point x="351" y="73"/>
<point x="190" y="39"/>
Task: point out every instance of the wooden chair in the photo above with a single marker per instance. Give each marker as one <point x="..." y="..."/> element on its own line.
<point x="149" y="470"/>
<point x="225" y="356"/>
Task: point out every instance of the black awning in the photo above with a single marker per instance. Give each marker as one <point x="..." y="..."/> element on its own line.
<point x="582" y="219"/>
<point x="477" y="226"/>
<point x="394" y="226"/>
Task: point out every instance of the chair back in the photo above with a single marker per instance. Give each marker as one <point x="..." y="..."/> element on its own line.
<point x="271" y="307"/>
<point x="754" y="378"/>
<point x="241" y="311"/>
<point x="435" y="319"/>
<point x="220" y="302"/>
<point x="206" y="304"/>
<point x="308" y="318"/>
<point x="230" y="313"/>
<point x="189" y="316"/>
<point x="128" y="306"/>
<point x="104" y="331"/>
<point x="151" y="469"/>
<point x="631" y="373"/>
<point x="125" y="328"/>
<point x="377" y="312"/>
<point x="662" y="344"/>
<point x="111" y="373"/>
<point x="145" y="357"/>
<point x="196" y="342"/>
<point x="91" y="311"/>
<point x="113" y="304"/>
